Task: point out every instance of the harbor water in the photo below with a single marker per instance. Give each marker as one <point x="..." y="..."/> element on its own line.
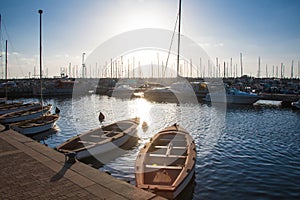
<point x="243" y="152"/>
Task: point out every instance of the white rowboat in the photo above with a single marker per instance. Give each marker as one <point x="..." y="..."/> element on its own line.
<point x="100" y="140"/>
<point x="37" y="125"/>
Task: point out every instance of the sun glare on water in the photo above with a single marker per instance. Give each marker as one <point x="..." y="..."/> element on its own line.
<point x="142" y="108"/>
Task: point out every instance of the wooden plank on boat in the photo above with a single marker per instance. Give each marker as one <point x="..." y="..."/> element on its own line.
<point x="165" y="156"/>
<point x="86" y="142"/>
<point x="95" y="136"/>
<point x="164" y="167"/>
<point x="165" y="147"/>
<point x="172" y="139"/>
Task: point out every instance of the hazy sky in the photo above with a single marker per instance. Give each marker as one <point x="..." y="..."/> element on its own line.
<point x="223" y="28"/>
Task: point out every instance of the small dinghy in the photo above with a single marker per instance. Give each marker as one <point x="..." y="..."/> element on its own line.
<point x="37" y="125"/>
<point x="166" y="164"/>
<point x="100" y="140"/>
<point x="15" y="107"/>
<point x="24" y="114"/>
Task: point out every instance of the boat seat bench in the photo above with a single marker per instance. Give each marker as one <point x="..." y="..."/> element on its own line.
<point x="165" y="147"/>
<point x="166" y="156"/>
<point x="86" y="142"/>
<point x="164" y="167"/>
<point x="172" y="139"/>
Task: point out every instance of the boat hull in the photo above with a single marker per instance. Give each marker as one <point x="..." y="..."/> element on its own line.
<point x="247" y="100"/>
<point x="101" y="149"/>
<point x="161" y="95"/>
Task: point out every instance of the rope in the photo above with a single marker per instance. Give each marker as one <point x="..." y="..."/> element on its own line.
<point x="170" y="46"/>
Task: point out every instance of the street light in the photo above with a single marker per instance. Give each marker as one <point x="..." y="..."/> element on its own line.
<point x="41" y="12"/>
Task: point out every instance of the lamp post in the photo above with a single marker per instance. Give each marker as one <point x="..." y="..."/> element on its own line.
<point x="41" y="12"/>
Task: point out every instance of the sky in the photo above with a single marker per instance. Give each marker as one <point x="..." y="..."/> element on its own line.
<point x="269" y="29"/>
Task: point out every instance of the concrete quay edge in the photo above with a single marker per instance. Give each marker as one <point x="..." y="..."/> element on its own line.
<point x="89" y="180"/>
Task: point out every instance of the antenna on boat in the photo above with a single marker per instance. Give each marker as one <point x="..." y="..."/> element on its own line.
<point x="178" y="49"/>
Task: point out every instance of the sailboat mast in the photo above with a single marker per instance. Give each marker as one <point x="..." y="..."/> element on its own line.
<point x="178" y="49"/>
<point x="241" y="59"/>
<point x="1" y="44"/>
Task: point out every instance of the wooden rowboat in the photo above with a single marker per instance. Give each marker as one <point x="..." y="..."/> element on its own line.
<point x="100" y="140"/>
<point x="15" y="107"/>
<point x="24" y="114"/>
<point x="37" y="125"/>
<point x="166" y="164"/>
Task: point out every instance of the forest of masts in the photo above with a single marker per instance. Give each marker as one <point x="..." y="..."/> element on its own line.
<point x="131" y="68"/>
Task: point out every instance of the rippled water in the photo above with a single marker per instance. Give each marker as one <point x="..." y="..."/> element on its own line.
<point x="242" y="152"/>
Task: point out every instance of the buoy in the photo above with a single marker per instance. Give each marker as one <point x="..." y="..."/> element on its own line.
<point x="57" y="110"/>
<point x="101" y="117"/>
